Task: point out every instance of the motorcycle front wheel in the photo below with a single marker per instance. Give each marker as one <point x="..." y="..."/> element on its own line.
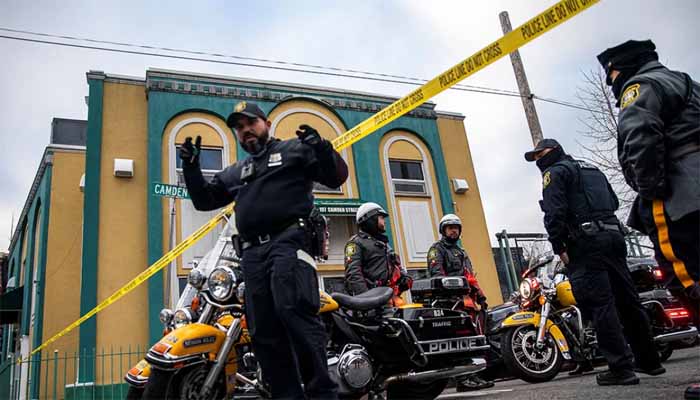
<point x="416" y="391"/>
<point x="525" y="360"/>
<point x="183" y="385"/>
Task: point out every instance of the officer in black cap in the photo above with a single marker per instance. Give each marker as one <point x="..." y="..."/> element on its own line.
<point x="659" y="151"/>
<point x="272" y="188"/>
<point x="579" y="214"/>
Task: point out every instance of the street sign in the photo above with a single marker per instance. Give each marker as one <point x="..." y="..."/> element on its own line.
<point x="165" y="190"/>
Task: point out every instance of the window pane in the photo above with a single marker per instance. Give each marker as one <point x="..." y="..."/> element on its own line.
<point x="414" y="171"/>
<point x="208" y="159"/>
<point x="319" y="187"/>
<point x="395" y="167"/>
<point x="407" y="187"/>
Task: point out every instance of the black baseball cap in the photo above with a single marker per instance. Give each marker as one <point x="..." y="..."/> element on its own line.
<point x="541" y="145"/>
<point x="245" y="109"/>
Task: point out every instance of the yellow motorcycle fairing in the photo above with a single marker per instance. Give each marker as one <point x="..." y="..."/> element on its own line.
<point x="327" y="303"/>
<point x="533" y="318"/>
<point x="138" y="374"/>
<point x="564" y="294"/>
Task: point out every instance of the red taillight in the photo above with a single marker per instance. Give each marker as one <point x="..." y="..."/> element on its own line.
<point x="658" y="274"/>
<point x="675" y="313"/>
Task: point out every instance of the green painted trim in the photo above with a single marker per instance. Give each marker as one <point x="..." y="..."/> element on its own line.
<point x="29" y="269"/>
<point x="38" y="334"/>
<point x="91" y="223"/>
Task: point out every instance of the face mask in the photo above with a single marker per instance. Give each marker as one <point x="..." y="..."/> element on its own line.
<point x="550" y="158"/>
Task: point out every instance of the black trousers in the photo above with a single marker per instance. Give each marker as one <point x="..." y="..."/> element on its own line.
<point x="282" y="303"/>
<point x="603" y="288"/>
<point x="677" y="250"/>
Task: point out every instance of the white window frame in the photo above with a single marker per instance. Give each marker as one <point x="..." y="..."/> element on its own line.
<point x="395" y="181"/>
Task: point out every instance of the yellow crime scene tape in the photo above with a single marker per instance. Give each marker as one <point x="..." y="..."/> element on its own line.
<point x="543" y="22"/>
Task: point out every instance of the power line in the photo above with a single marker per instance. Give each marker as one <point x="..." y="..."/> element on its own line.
<point x="418" y="81"/>
<point x="271" y="61"/>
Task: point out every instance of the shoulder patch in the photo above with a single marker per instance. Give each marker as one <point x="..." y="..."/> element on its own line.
<point x="546" y="179"/>
<point x="629" y="95"/>
<point x="350" y="249"/>
<point x="432" y="253"/>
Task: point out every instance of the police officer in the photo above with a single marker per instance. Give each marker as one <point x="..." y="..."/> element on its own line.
<point x="272" y="188"/>
<point x="579" y="214"/>
<point x="659" y="151"/>
<point x="369" y="260"/>
<point x="446" y="258"/>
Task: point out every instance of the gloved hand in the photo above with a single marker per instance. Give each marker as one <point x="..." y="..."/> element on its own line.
<point x="310" y="136"/>
<point x="189" y="153"/>
<point x="481" y="300"/>
<point x="405" y="283"/>
<point x="693" y="291"/>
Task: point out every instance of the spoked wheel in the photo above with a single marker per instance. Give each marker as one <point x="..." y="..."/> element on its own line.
<point x="525" y="360"/>
<point x="191" y="385"/>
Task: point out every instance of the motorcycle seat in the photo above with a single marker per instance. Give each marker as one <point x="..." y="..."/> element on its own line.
<point x="369" y="300"/>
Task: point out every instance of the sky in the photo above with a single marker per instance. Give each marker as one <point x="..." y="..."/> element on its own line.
<point x="402" y="37"/>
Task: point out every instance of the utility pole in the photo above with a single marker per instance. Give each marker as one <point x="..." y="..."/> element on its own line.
<point x="526" y="96"/>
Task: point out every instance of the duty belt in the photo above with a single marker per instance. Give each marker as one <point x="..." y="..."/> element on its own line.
<point x="247" y="243"/>
<point x="600" y="226"/>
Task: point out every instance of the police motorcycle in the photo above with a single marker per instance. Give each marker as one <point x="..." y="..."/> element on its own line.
<point x="205" y="346"/>
<point x="672" y="323"/>
<point x="550" y="329"/>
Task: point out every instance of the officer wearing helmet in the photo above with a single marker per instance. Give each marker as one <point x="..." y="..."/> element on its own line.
<point x="446" y="258"/>
<point x="369" y="260"/>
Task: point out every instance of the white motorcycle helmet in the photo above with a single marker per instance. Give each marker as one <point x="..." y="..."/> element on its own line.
<point x="449" y="219"/>
<point x="369" y="210"/>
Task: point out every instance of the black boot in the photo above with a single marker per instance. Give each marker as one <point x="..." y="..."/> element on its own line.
<point x="619" y="377"/>
<point x="583" y="366"/>
<point x="473" y="382"/>
<point x="653" y="370"/>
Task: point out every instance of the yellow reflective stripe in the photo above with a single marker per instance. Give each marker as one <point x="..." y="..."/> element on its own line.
<point x="543" y="22"/>
<point x="665" y="244"/>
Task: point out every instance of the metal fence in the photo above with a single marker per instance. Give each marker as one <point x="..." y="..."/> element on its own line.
<point x="93" y="375"/>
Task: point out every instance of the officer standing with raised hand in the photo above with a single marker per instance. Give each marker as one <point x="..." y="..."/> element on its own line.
<point x="272" y="189"/>
<point x="579" y="215"/>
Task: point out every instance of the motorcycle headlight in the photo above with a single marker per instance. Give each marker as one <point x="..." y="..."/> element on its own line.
<point x="166" y="316"/>
<point x="240" y="293"/>
<point x="525" y="290"/>
<point x="182" y="317"/>
<point x="221" y="283"/>
<point x="196" y="279"/>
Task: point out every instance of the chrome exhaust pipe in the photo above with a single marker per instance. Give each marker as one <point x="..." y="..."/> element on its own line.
<point x="689" y="333"/>
<point x="477" y="364"/>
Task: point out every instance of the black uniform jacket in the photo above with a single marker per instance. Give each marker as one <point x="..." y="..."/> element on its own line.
<point x="659" y="137"/>
<point x="278" y="189"/>
<point x="368" y="263"/>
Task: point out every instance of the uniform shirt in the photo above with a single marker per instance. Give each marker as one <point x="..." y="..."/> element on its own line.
<point x="368" y="263"/>
<point x="659" y="117"/>
<point x="278" y="192"/>
<point x="447" y="259"/>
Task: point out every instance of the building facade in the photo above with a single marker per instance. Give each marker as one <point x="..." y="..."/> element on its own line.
<point x="100" y="210"/>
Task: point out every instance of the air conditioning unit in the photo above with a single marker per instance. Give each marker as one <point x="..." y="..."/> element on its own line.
<point x="460" y="185"/>
<point x="123" y="168"/>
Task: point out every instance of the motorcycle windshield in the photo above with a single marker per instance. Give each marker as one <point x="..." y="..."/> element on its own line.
<point x="222" y="248"/>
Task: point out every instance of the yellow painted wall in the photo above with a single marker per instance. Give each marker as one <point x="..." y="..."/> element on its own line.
<point x="63" y="258"/>
<point x="404" y="150"/>
<point x="123" y="241"/>
<point x="210" y="138"/>
<point x="288" y="125"/>
<point x="475" y="236"/>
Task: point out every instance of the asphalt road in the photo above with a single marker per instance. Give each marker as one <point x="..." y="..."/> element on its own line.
<point x="682" y="369"/>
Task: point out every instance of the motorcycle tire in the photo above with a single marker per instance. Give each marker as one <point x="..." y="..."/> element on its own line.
<point x="665" y="350"/>
<point x="514" y="361"/>
<point x="134" y="393"/>
<point x="183" y="385"/>
<point x="416" y="391"/>
<point x="157" y="386"/>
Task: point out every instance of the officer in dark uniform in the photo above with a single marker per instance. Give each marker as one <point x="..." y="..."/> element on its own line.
<point x="369" y="260"/>
<point x="579" y="214"/>
<point x="272" y="189"/>
<point x="659" y="151"/>
<point x="446" y="258"/>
